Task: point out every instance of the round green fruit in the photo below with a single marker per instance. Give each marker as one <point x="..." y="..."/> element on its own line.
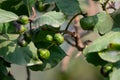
<point x="21" y="41"/>
<point x="22" y="29"/>
<point x="41" y="7"/>
<point x="43" y="53"/>
<point x="23" y="19"/>
<point x="49" y="38"/>
<point x="88" y="23"/>
<point x="105" y="70"/>
<point x="59" y="38"/>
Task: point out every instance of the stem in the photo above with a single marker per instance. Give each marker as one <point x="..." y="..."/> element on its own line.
<point x="104" y="5"/>
<point x="28" y="73"/>
<point x="32" y="18"/>
<point x="67" y="32"/>
<point x="50" y="45"/>
<point x="81" y="13"/>
<point x="33" y="15"/>
<point x="71" y="21"/>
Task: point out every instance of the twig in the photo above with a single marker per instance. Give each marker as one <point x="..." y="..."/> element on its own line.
<point x="111" y="5"/>
<point x="104" y="5"/>
<point x="32" y="18"/>
<point x="81" y="13"/>
<point x="67" y="32"/>
<point x="28" y="73"/>
<point x="78" y="41"/>
<point x="33" y="15"/>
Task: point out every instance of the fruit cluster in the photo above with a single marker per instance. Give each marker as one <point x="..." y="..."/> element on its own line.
<point x="24" y="37"/>
<point x="56" y="39"/>
<point x="20" y="24"/>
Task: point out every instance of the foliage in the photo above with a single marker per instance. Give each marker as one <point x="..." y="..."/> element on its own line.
<point x="22" y="39"/>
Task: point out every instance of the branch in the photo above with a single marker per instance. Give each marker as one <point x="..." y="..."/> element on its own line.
<point x="78" y="41"/>
<point x="33" y="15"/>
<point x="81" y="13"/>
<point x="28" y="73"/>
<point x="111" y="5"/>
<point x="104" y="5"/>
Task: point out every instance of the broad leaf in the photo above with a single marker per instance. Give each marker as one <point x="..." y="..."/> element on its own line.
<point x="102" y="42"/>
<point x="94" y="58"/>
<point x="115" y="75"/>
<point x="56" y="55"/>
<point x="6" y="16"/>
<point x="15" y="6"/>
<point x="116" y="17"/>
<point x="110" y="55"/>
<point x="13" y="53"/>
<point x="52" y="18"/>
<point x="7" y="28"/>
<point x="5" y="77"/>
<point x="104" y="24"/>
<point x="40" y="34"/>
<point x="68" y="7"/>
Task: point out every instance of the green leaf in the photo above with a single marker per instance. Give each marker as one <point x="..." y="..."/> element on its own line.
<point x="15" y="6"/>
<point x="68" y="7"/>
<point x="7" y="16"/>
<point x="110" y="55"/>
<point x="102" y="42"/>
<point x="7" y="28"/>
<point x="13" y="53"/>
<point x="52" y="18"/>
<point x="116" y="17"/>
<point x="40" y="34"/>
<point x="104" y="24"/>
<point x="94" y="58"/>
<point x="5" y="77"/>
<point x="115" y="75"/>
<point x="57" y="54"/>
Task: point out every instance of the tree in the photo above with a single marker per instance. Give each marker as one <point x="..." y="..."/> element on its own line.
<point x="31" y="34"/>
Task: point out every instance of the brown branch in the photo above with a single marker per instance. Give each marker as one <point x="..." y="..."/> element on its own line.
<point x="111" y="5"/>
<point x="33" y="14"/>
<point x="78" y="41"/>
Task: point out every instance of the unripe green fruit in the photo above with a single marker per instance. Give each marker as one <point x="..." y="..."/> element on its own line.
<point x="105" y="70"/>
<point x="21" y="41"/>
<point x="24" y="43"/>
<point x="43" y="53"/>
<point x="41" y="7"/>
<point x="88" y="23"/>
<point x="22" y="29"/>
<point x="23" y="19"/>
<point x="59" y="38"/>
<point x="49" y="38"/>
